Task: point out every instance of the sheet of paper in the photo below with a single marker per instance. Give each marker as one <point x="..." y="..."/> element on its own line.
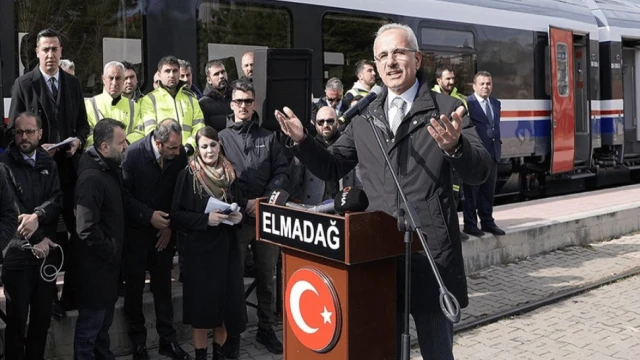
<point x="217" y="205"/>
<point x="62" y="143"/>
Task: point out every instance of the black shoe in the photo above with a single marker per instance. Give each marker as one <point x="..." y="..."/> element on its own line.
<point x="141" y="353"/>
<point x="463" y="236"/>
<point x="268" y="338"/>
<point x="493" y="229"/>
<point x="174" y="351"/>
<point x="473" y="231"/>
<point x="231" y="347"/>
<point x="59" y="311"/>
<point x="218" y="354"/>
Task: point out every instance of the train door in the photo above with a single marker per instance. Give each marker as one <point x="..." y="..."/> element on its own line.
<point x="582" y="63"/>
<point x="630" y="97"/>
<point x="562" y="100"/>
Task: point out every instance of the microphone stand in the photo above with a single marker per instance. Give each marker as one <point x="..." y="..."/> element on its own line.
<point x="448" y="303"/>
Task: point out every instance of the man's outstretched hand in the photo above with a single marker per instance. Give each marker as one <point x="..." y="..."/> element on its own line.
<point x="290" y="125"/>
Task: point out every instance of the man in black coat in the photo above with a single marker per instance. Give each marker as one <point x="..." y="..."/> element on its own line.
<point x="261" y="167"/>
<point x="101" y="215"/>
<point x="216" y="100"/>
<point x="8" y="210"/>
<point x="334" y="91"/>
<point x="423" y="151"/>
<point x="39" y="199"/>
<point x="150" y="171"/>
<point x="56" y="98"/>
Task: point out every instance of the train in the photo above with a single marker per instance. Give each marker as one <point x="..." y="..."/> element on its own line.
<point x="566" y="71"/>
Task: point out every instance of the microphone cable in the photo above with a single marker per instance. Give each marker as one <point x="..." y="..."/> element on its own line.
<point x="48" y="277"/>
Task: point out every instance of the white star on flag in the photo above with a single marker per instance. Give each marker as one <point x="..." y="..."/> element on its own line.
<point x="326" y="315"/>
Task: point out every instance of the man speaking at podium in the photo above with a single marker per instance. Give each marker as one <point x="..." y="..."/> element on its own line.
<point x="425" y="139"/>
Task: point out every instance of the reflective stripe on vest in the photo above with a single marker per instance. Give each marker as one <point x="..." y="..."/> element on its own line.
<point x="131" y="117"/>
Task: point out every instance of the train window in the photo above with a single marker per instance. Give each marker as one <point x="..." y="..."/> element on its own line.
<point x="446" y="38"/>
<point x="463" y="65"/>
<point x="92" y="36"/>
<point x="228" y="29"/>
<point x="347" y="39"/>
<point x="562" y="68"/>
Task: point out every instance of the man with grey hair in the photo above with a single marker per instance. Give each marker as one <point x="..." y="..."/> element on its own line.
<point x="187" y="76"/>
<point x="333" y="97"/>
<point x="150" y="170"/>
<point x="425" y="139"/>
<point x="68" y="66"/>
<point x="112" y="104"/>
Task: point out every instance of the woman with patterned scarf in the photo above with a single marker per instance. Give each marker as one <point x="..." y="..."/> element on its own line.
<point x="213" y="292"/>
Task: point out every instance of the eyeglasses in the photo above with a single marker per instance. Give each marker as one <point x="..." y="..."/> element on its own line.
<point x="396" y="53"/>
<point x="321" y="122"/>
<point x="29" y="132"/>
<point x="334" y="99"/>
<point x="246" y="102"/>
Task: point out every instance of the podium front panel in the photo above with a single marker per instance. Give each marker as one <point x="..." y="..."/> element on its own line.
<point x="319" y="234"/>
<point x="358" y="323"/>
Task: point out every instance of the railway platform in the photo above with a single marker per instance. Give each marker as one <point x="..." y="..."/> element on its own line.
<point x="551" y="246"/>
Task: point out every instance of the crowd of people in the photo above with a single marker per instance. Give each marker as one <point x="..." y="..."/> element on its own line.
<point x="120" y="182"/>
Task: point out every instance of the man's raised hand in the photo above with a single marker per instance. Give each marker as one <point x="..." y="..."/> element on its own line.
<point x="290" y="125"/>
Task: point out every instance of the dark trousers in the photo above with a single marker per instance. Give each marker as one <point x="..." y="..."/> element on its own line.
<point x="140" y="254"/>
<point x="435" y="331"/>
<point x="91" y="340"/>
<point x="480" y="198"/>
<point x="266" y="257"/>
<point x="27" y="295"/>
<point x="69" y="218"/>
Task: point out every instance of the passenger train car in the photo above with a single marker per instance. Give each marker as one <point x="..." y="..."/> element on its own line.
<point x="566" y="71"/>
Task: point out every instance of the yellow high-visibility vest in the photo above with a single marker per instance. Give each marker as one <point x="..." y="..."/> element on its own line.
<point x="125" y="110"/>
<point x="184" y="107"/>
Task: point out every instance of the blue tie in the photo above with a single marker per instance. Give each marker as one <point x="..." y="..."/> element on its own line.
<point x="487" y="110"/>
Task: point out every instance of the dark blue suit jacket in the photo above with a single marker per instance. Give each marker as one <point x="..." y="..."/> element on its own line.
<point x="488" y="130"/>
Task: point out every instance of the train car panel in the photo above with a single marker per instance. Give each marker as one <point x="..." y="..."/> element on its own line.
<point x="525" y="128"/>
<point x="563" y="101"/>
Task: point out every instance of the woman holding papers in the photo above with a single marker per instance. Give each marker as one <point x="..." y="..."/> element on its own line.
<point x="213" y="293"/>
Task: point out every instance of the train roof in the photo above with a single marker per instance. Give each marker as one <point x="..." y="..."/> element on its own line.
<point x="617" y="18"/>
<point x="535" y="15"/>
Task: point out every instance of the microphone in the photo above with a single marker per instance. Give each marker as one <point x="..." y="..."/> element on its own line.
<point x="350" y="199"/>
<point x="281" y="197"/>
<point x="189" y="149"/>
<point x="232" y="208"/>
<point x="361" y="105"/>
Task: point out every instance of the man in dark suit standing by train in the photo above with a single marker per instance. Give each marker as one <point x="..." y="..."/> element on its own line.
<point x="56" y="97"/>
<point x="478" y="199"/>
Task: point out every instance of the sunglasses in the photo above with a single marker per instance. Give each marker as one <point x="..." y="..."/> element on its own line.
<point x="334" y="99"/>
<point x="323" y="121"/>
<point x="246" y="102"/>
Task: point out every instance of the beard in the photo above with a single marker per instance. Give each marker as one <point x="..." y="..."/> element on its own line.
<point x="116" y="156"/>
<point x="27" y="147"/>
<point x="222" y="85"/>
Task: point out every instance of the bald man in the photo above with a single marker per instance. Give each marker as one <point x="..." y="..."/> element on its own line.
<point x="307" y="187"/>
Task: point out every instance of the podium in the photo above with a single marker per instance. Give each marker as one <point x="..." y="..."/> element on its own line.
<point x="339" y="281"/>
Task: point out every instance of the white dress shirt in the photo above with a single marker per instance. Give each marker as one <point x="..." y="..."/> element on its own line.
<point x="47" y="77"/>
<point x="481" y="101"/>
<point x="408" y="96"/>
